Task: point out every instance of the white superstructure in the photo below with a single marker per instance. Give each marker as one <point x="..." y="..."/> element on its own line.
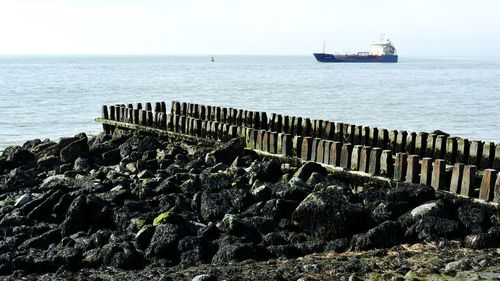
<point x="383" y="48"/>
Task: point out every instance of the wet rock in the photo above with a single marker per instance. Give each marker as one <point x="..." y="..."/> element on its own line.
<point x="84" y="212"/>
<point x="74" y="149"/>
<point x="168" y="217"/>
<point x="385" y="235"/>
<point x="472" y="218"/>
<point x="204" y="277"/>
<point x="308" y="168"/>
<point x="435" y="208"/>
<point x="328" y="215"/>
<point x="148" y="143"/>
<point x="232" y="225"/>
<point x="231" y="250"/>
<point x="82" y="164"/>
<point x="17" y="156"/>
<point x="267" y="171"/>
<point x="44" y="210"/>
<point x="143" y="236"/>
<point x="111" y="157"/>
<point x="43" y="241"/>
<point x="48" y="161"/>
<point x="121" y="255"/>
<point x="261" y="193"/>
<point x="278" y="208"/>
<point x="432" y="228"/>
<point x="164" y="242"/>
<point x="227" y="152"/>
<point x="490" y="239"/>
<point x="213" y="206"/>
<point x="338" y="245"/>
<point x="22" y="200"/>
<point x="216" y="182"/>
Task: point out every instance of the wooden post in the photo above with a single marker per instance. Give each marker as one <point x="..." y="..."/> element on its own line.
<point x="486" y="191"/>
<point x="335" y="153"/>
<point x="314" y="149"/>
<point x="320" y="150"/>
<point x="496" y="161"/>
<point x="421" y="144"/>
<point x="426" y="171"/>
<point x="431" y="144"/>
<point x="413" y="169"/>
<point x="456" y="178"/>
<point x="374" y="137"/>
<point x="410" y="142"/>
<point x="355" y="156"/>
<point x="374" y="167"/>
<point x="438" y="174"/>
<point x="364" y="159"/>
<point x="488" y="155"/>
<point x="297" y="146"/>
<point x="393" y="140"/>
<point x="401" y="141"/>
<point x="440" y="147"/>
<point x="383" y="139"/>
<point x="386" y="164"/>
<point x="451" y="150"/>
<point x="265" y="141"/>
<point x="345" y="156"/>
<point x="273" y="142"/>
<point x="339" y="130"/>
<point x="365" y="138"/>
<point x="400" y="166"/>
<point x="462" y="150"/>
<point x="496" y="192"/>
<point x="306" y="149"/>
<point x="329" y="130"/>
<point x="106" y="117"/>
<point x="475" y="152"/>
<point x="468" y="180"/>
<point x="287" y="148"/>
<point x="326" y="151"/>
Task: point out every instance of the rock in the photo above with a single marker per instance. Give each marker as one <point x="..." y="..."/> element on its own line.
<point x="385" y="235"/>
<point x="168" y="217"/>
<point x="267" y="171"/>
<point x="145" y="174"/>
<point x="148" y="143"/>
<point x="213" y="206"/>
<point x="232" y="225"/>
<point x="328" y="215"/>
<point x="227" y="152"/>
<point x="490" y="239"/>
<point x="18" y="156"/>
<point x="43" y="241"/>
<point x="427" y="209"/>
<point x="111" y="157"/>
<point x="204" y="277"/>
<point x="164" y="242"/>
<point x="131" y="167"/>
<point x="216" y="182"/>
<point x="44" y="210"/>
<point x="143" y="236"/>
<point x="82" y="164"/>
<point x="338" y="245"/>
<point x="121" y="255"/>
<point x="22" y="200"/>
<point x="315" y="178"/>
<point x="261" y="193"/>
<point x="84" y="212"/>
<point x="459" y="265"/>
<point x="472" y="218"/>
<point x="308" y="168"/>
<point x="49" y="161"/>
<point x="431" y="228"/>
<point x="234" y="251"/>
<point x="76" y="148"/>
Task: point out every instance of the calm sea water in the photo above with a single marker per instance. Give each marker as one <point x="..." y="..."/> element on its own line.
<point x="51" y="97"/>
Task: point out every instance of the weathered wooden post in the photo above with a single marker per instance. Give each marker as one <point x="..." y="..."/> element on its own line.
<point x="413" y="169"/>
<point x="345" y="156"/>
<point x="287" y="147"/>
<point x="297" y="146"/>
<point x="374" y="166"/>
<point x="486" y="190"/>
<point x="355" y="156"/>
<point x="426" y="171"/>
<point x="400" y="166"/>
<point x="306" y="148"/>
<point x="335" y="153"/>
<point x="456" y="178"/>
<point x="468" y="180"/>
<point x="386" y="164"/>
<point x="364" y="159"/>
<point x="438" y="174"/>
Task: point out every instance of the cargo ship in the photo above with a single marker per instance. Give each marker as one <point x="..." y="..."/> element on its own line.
<point x="380" y="52"/>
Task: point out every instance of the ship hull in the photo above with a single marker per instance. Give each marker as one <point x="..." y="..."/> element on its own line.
<point x="321" y="57"/>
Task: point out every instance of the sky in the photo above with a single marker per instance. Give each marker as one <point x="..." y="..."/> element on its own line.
<point x="253" y="27"/>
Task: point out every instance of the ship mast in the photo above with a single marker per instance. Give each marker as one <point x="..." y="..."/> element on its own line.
<point x="324" y="43"/>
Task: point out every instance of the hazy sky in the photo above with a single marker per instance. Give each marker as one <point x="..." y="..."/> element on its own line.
<point x="417" y="27"/>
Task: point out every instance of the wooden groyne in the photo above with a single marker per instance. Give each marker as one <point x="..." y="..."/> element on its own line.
<point x="458" y="165"/>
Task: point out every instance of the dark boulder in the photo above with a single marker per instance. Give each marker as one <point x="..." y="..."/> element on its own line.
<point x="431" y="228"/>
<point x="328" y="215"/>
<point x="17" y="156"/>
<point x="472" y="218"/>
<point x="227" y="152"/>
<point x="213" y="206"/>
<point x="308" y="168"/>
<point x="164" y="241"/>
<point x="232" y="250"/>
<point x="385" y="235"/>
<point x="73" y="150"/>
<point x="43" y="241"/>
<point x="84" y="212"/>
<point x="111" y="157"/>
<point x="121" y="255"/>
<point x="143" y="236"/>
<point x="266" y="171"/>
<point x="490" y="239"/>
<point x="44" y="210"/>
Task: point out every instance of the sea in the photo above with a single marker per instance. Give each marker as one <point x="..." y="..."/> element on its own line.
<point x="58" y="96"/>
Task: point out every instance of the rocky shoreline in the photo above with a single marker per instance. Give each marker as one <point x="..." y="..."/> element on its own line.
<point x="131" y="206"/>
